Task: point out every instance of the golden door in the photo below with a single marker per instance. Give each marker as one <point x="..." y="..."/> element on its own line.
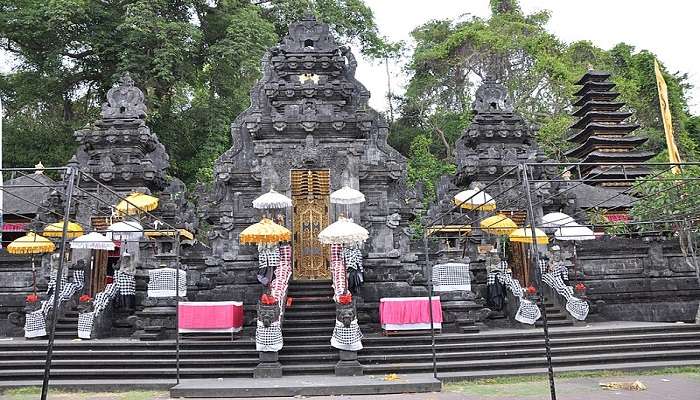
<point x="310" y="196"/>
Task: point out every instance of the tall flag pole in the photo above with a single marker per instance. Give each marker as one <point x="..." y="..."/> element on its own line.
<point x="673" y="155"/>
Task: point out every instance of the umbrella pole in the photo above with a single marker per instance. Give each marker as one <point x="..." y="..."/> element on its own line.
<point x="34" y="275"/>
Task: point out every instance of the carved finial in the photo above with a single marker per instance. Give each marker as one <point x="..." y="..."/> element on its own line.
<point x="39" y="168"/>
<point x="308" y="15"/>
<point x="492" y="97"/>
<point x="125" y="80"/>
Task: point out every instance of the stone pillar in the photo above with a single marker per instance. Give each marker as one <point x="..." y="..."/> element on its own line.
<point x="268" y="341"/>
<point x="348" y="364"/>
<point x="269" y="366"/>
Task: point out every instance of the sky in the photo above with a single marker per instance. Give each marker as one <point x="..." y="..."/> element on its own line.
<point x="666" y="28"/>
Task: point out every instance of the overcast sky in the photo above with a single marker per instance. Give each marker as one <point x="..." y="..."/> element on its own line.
<point x="670" y="29"/>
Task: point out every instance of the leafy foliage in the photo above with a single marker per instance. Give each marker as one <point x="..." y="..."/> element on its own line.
<point x="195" y="59"/>
<point x="425" y="168"/>
<point x="670" y="198"/>
<point x="451" y="58"/>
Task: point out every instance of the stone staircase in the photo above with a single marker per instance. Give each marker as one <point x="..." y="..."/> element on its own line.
<point x="556" y="316"/>
<point x="492" y="353"/>
<point x="67" y="324"/>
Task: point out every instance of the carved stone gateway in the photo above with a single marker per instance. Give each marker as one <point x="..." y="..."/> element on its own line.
<point x="309" y="115"/>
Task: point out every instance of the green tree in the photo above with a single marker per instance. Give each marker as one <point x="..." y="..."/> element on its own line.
<point x="425" y="168"/>
<point x="195" y="59"/>
<point x="451" y="57"/>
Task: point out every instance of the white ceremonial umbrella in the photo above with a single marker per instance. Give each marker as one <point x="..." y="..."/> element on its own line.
<point x="475" y="199"/>
<point x="556" y="219"/>
<point x="343" y="231"/>
<point x="574" y="231"/>
<point x="92" y="241"/>
<point x="347" y="195"/>
<point x="272" y="199"/>
<point x="125" y="231"/>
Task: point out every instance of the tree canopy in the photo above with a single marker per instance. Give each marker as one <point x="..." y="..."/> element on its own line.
<point x="195" y="59"/>
<point x="452" y="56"/>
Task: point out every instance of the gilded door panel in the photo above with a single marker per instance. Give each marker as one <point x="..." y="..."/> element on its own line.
<point x="310" y="196"/>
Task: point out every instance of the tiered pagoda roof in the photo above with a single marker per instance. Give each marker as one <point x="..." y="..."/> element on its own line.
<point x="602" y="136"/>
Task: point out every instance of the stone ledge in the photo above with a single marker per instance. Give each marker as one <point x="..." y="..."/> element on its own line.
<point x="304" y="386"/>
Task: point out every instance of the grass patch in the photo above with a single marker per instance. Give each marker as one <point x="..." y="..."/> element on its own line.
<point x="528" y="382"/>
<point x="27" y="393"/>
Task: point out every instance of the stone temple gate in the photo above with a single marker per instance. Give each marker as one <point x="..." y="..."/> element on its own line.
<point x="309" y="131"/>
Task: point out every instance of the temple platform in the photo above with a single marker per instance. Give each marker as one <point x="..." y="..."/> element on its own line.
<point x="309" y="385"/>
<point x="127" y="363"/>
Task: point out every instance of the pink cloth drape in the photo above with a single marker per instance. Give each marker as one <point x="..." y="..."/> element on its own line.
<point x="283" y="272"/>
<point x="408" y="310"/>
<point x="338" y="270"/>
<point x="210" y="315"/>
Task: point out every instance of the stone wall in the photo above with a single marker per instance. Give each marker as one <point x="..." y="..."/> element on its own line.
<point x="637" y="279"/>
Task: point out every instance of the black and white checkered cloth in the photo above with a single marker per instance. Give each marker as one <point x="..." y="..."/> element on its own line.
<point x="126" y="284"/>
<point x="349" y="338"/>
<point x="528" y="312"/>
<point x="85" y="322"/>
<point x="268" y="338"/>
<point x="161" y="282"/>
<point x="352" y="256"/>
<point x="491" y="278"/>
<point x="578" y="308"/>
<point x="52" y="283"/>
<point x="101" y="301"/>
<point x="451" y="276"/>
<point x="268" y="257"/>
<point x="35" y="324"/>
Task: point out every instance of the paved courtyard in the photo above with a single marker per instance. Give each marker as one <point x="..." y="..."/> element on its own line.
<point x="682" y="386"/>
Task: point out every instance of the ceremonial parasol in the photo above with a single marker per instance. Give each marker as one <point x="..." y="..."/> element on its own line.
<point x="475" y="199"/>
<point x="73" y="230"/>
<point x="574" y="231"/>
<point x="265" y="231"/>
<point x="32" y="244"/>
<point x="524" y="235"/>
<point x="92" y="241"/>
<point x="272" y="199"/>
<point x="136" y="203"/>
<point x="347" y="195"/>
<point x="498" y="225"/>
<point x="125" y="230"/>
<point x="343" y="231"/>
<point x="556" y="219"/>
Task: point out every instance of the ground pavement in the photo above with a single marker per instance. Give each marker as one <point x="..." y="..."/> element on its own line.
<point x="685" y="386"/>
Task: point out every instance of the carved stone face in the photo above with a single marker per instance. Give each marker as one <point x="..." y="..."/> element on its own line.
<point x="345" y="313"/>
<point x="267" y="314"/>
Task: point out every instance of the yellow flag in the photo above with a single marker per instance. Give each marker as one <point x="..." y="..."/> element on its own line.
<point x="673" y="156"/>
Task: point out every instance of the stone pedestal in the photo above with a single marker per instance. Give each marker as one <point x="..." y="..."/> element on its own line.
<point x="348" y="364"/>
<point x="269" y="366"/>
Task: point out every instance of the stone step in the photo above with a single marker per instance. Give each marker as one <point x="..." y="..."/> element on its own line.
<point x="555" y="322"/>
<point x="306" y="331"/>
<point x="309" y="293"/>
<point x="288" y="323"/>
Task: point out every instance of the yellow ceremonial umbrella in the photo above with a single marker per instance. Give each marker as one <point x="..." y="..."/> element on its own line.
<point x="475" y="199"/>
<point x="136" y="203"/>
<point x="498" y="224"/>
<point x="73" y="230"/>
<point x="524" y="235"/>
<point x="32" y="244"/>
<point x="265" y="231"/>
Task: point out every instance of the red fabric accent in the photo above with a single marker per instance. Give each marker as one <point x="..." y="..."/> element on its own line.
<point x="210" y="315"/>
<point x="413" y="310"/>
<point x="618" y="217"/>
<point x="109" y="279"/>
<point x="14" y="227"/>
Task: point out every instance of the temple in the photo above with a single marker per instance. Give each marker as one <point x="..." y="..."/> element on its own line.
<point x="306" y="299"/>
<point x="601" y="135"/>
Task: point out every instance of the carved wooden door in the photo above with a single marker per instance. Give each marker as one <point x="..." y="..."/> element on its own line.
<point x="310" y="196"/>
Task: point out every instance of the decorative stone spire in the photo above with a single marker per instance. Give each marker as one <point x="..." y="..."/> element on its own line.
<point x="601" y="134"/>
<point x="119" y="149"/>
